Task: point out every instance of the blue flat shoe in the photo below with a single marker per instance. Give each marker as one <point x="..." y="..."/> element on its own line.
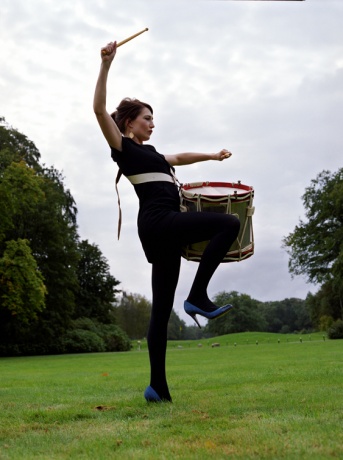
<point x="151" y="396"/>
<point x="192" y="311"/>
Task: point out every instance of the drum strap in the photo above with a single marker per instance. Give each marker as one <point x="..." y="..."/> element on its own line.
<point x="183" y="208"/>
<point x="119" y="218"/>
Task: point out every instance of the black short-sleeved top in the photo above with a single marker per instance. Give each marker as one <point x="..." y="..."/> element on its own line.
<point x="158" y="201"/>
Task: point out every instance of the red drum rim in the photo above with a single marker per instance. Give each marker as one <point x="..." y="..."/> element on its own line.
<point x="243" y="189"/>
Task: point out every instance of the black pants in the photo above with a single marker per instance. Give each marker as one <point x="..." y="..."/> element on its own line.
<point x="190" y="227"/>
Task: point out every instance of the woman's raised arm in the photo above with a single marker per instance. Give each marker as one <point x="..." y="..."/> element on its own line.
<point x="108" y="127"/>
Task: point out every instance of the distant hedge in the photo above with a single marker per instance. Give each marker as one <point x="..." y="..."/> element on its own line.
<point x="335" y="331"/>
<point x="84" y="336"/>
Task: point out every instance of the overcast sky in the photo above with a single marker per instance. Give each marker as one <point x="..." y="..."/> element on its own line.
<point x="263" y="79"/>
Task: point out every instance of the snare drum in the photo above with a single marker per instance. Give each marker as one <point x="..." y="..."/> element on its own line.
<point x="229" y="198"/>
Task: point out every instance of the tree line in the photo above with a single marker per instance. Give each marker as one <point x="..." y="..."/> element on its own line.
<point x="315" y="248"/>
<point x="56" y="290"/>
<point x="285" y="316"/>
<point x="57" y="294"/>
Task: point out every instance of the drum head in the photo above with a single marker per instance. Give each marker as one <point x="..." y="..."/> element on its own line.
<point x="214" y="189"/>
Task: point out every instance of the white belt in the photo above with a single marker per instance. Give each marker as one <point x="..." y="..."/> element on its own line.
<point x="141" y="179"/>
<point x="150" y="177"/>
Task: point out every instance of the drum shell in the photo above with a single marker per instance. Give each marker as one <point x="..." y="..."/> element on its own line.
<point x="238" y="201"/>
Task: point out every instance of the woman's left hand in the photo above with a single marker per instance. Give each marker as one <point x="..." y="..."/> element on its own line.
<point x="222" y="155"/>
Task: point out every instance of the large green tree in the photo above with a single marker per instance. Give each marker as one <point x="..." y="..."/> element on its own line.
<point x="96" y="294"/>
<point x="176" y="327"/>
<point x="15" y="146"/>
<point x="20" y="193"/>
<point x="36" y="208"/>
<point x="288" y="315"/>
<point x="133" y="315"/>
<point x="315" y="246"/>
<point x="22" y="290"/>
<point x="245" y="315"/>
<point x="325" y="306"/>
<point x="43" y="284"/>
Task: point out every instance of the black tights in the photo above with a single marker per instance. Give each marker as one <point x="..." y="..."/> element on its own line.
<point x="221" y="230"/>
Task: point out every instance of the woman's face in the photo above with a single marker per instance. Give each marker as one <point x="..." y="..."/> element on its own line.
<point x="142" y="126"/>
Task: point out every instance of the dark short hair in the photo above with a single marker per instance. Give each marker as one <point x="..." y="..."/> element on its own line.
<point x="128" y="109"/>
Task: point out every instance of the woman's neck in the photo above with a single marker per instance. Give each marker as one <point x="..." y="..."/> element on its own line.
<point x="134" y="139"/>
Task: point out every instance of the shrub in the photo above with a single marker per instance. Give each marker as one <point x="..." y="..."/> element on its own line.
<point x="114" y="337"/>
<point x="111" y="336"/>
<point x="86" y="324"/>
<point x="335" y="331"/>
<point x="82" y="341"/>
<point x="85" y="336"/>
<point x="325" y="322"/>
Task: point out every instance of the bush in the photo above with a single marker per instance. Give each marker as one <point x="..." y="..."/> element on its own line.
<point x="86" y="324"/>
<point x="325" y="322"/>
<point x="285" y="329"/>
<point x="30" y="349"/>
<point x="335" y="331"/>
<point x="114" y="337"/>
<point x="84" y="336"/>
<point x="82" y="341"/>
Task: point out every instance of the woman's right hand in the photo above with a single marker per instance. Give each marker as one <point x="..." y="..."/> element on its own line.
<point x="108" y="52"/>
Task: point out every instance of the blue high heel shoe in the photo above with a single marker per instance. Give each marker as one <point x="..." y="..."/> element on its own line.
<point x="151" y="396"/>
<point x="192" y="311"/>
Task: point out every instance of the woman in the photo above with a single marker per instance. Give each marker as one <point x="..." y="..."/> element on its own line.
<point x="163" y="229"/>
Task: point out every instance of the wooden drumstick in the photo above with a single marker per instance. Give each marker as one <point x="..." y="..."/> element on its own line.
<point x="104" y="51"/>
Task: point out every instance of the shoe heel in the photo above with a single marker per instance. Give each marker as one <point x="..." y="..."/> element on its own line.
<point x="194" y="316"/>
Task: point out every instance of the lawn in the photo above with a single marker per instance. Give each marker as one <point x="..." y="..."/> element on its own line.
<point x="257" y="396"/>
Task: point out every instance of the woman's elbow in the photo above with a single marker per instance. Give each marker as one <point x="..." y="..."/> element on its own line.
<point x="99" y="112"/>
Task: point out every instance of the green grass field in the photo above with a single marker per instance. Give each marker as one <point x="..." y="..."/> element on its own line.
<point x="242" y="400"/>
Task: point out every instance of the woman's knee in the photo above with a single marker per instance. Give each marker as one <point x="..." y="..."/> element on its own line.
<point x="233" y="224"/>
